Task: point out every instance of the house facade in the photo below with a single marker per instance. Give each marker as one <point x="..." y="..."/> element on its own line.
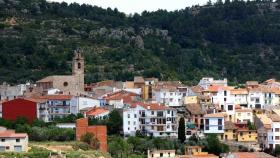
<point x="214" y="123"/>
<point x="150" y="119"/>
<point x="13" y="142"/>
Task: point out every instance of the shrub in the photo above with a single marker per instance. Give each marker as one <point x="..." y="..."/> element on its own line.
<point x="81" y="145"/>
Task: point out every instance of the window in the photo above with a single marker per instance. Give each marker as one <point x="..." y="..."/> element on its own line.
<point x="128" y="115"/>
<point x="128" y="122"/>
<point x="239" y="114"/>
<point x="135" y="115"/>
<point x="79" y="65"/>
<point x="230" y="107"/>
<point x="225" y="93"/>
<point x="161" y="154"/>
<point x="152" y="112"/>
<point x="248" y="114"/>
<point x="134" y="123"/>
<point x="277" y="137"/>
<point x="128" y="128"/>
<point x="168" y="111"/>
<point x="17" y="140"/>
<point x="2" y="140"/>
<point x="171" y="94"/>
<point x="219" y="121"/>
<point x="277" y="130"/>
<point x="225" y="99"/>
<point x="65" y="84"/>
<point x="257" y="100"/>
<point x="207" y="121"/>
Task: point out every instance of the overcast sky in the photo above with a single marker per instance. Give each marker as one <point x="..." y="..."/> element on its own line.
<point x="132" y="6"/>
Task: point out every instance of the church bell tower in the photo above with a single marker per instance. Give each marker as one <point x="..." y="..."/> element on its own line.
<point x="78" y="69"/>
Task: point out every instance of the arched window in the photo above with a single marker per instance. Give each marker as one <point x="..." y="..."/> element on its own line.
<point x="79" y="65"/>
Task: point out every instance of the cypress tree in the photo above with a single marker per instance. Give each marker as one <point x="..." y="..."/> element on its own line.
<point x="181" y="130"/>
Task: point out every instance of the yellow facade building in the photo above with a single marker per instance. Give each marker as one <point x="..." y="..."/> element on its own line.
<point x="246" y="135"/>
<point x="230" y="131"/>
<point x="190" y="100"/>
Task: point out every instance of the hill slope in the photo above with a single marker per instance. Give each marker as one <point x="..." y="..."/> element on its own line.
<point x="239" y="40"/>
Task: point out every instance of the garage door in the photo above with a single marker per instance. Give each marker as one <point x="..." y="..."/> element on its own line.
<point x="18" y="148"/>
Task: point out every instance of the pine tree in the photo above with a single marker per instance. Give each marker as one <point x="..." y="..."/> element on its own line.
<point x="181" y="130"/>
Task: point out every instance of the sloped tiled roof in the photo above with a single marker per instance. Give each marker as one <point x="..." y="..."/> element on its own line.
<point x="195" y="109"/>
<point x="239" y="91"/>
<point x="230" y="125"/>
<point x="139" y="79"/>
<point x="12" y="134"/>
<point x="96" y="111"/>
<point x="54" y="97"/>
<point x="149" y="106"/>
<point x="215" y="115"/>
<point x="243" y="110"/>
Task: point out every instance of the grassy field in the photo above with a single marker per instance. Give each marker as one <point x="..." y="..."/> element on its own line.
<point x="71" y="149"/>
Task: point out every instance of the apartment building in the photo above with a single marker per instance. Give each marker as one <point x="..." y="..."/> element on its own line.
<point x="150" y="119"/>
<point x="273" y="135"/>
<point x="171" y="96"/>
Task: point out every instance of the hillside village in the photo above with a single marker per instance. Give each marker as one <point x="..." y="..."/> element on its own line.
<point x="245" y="117"/>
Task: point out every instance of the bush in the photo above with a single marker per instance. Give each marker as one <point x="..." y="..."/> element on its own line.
<point x="91" y="140"/>
<point x="82" y="146"/>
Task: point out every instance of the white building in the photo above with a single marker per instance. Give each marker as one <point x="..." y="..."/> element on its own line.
<point x="85" y="102"/>
<point x="273" y="135"/>
<point x="214" y="123"/>
<point x="243" y="115"/>
<point x="256" y="98"/>
<point x="171" y="96"/>
<point x="161" y="154"/>
<point x="209" y="81"/>
<point x="150" y="119"/>
<point x="9" y="92"/>
<point x="240" y="97"/>
<point x="13" y="142"/>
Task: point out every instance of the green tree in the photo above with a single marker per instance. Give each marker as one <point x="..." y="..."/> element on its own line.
<point x="91" y="140"/>
<point x="250" y="125"/>
<point x="213" y="145"/>
<point x="115" y="122"/>
<point x="119" y="148"/>
<point x="182" y="130"/>
<point x="277" y="150"/>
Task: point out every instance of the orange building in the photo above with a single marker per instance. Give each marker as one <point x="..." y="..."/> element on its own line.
<point x="100" y="132"/>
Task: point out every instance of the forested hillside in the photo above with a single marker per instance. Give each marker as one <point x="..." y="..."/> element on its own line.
<point x="239" y="40"/>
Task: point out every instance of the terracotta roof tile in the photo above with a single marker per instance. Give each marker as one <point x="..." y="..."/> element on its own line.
<point x="96" y="111"/>
<point x="12" y="134"/>
<point x="150" y="106"/>
<point x="243" y="110"/>
<point x="54" y="97"/>
<point x="239" y="91"/>
<point x="230" y="125"/>
<point x="215" y="115"/>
